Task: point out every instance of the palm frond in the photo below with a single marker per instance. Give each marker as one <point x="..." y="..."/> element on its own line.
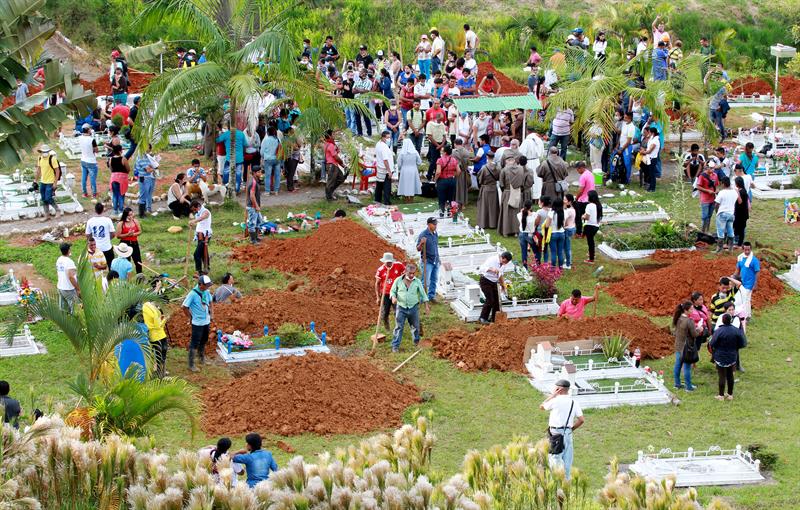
<point x="192" y="14"/>
<point x="141" y="54"/>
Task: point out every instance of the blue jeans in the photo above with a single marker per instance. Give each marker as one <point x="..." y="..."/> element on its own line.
<point x="525" y="241"/>
<point x="687" y="371"/>
<point x="563" y="141"/>
<point x="706" y="211"/>
<point x="226" y="174"/>
<point x="117" y="198"/>
<point x="436" y="64"/>
<point x="405" y="120"/>
<point x="395" y="137"/>
<point x="565" y="457"/>
<point x="627" y="159"/>
<point x="568" y="234"/>
<point x="146" y="186"/>
<point x="254" y="220"/>
<point x="272" y="173"/>
<point x="724" y="225"/>
<point x="425" y="67"/>
<point x="89" y="170"/>
<point x="557" y="248"/>
<point x="401" y="316"/>
<point x="350" y="118"/>
<point x="46" y="193"/>
<point x="431" y="278"/>
<point x="716" y="118"/>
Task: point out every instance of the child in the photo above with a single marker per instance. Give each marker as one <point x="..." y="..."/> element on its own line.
<point x="367" y="171"/>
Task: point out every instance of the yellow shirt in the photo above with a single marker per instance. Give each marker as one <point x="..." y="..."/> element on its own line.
<point x="47" y="173"/>
<point x="154" y="321"/>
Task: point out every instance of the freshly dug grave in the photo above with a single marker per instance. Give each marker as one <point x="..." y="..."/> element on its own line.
<point x="137" y="81"/>
<point x="507" y="85"/>
<point x="501" y="346"/>
<point x="339" y="244"/>
<point x="789" y="88"/>
<point x="339" y="312"/>
<point x="316" y="393"/>
<point x="658" y="292"/>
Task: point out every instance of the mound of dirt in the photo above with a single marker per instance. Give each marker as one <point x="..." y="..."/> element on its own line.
<point x="316" y="393"/>
<point x="339" y="312"/>
<point x="342" y="245"/>
<point x="507" y="85"/>
<point x="789" y="88"/>
<point x="137" y="81"/>
<point x="658" y="292"/>
<point x="501" y="346"/>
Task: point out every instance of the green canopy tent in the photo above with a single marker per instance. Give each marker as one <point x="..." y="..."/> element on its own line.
<point x="524" y="102"/>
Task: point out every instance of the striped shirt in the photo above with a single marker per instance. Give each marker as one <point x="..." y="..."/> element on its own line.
<point x="718" y="301"/>
<point x="562" y="122"/>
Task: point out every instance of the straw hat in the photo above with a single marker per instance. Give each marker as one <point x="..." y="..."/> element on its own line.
<point x="123" y="250"/>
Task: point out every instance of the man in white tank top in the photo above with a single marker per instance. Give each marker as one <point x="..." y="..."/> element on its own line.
<point x="202" y="234"/>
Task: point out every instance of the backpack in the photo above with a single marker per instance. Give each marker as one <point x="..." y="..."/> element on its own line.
<point x="56" y="168"/>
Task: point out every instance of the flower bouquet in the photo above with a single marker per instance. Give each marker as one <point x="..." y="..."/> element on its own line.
<point x="238" y="339"/>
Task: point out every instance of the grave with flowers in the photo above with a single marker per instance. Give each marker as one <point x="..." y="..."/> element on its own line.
<point x="288" y="340"/>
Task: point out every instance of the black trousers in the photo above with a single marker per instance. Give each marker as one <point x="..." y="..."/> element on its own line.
<point x="580" y="210"/>
<point x="433" y="156"/>
<point x="491" y="303"/>
<point x="136" y="256"/>
<point x="590" y="231"/>
<point x="290" y="168"/>
<point x="367" y="123"/>
<point x="335" y="179"/>
<point x="386" y="307"/>
<point x="725" y="376"/>
<point x="383" y="191"/>
<point x="109" y="255"/>
<point x="160" y="355"/>
<point x="202" y="264"/>
<point x="199" y="338"/>
<point x="445" y="191"/>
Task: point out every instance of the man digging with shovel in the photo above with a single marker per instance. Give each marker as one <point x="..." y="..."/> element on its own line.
<point x="406" y="294"/>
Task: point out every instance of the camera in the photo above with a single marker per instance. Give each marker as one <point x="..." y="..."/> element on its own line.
<point x="34" y="187"/>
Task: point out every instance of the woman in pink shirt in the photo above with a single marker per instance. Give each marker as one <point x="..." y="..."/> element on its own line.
<point x="573" y="307"/>
<point x="585" y="185"/>
<point x="701" y="318"/>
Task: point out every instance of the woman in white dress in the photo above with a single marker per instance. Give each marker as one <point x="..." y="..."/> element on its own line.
<point x="408" y="161"/>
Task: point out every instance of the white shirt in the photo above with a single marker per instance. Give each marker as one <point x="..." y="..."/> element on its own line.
<point x="383" y="153"/>
<point x="470" y="39"/>
<point x="423" y="50"/>
<point x="591" y="210"/>
<point x="599" y="48"/>
<point x="726" y="200"/>
<point x="438" y="44"/>
<point x="559" y="410"/>
<point x="204" y="226"/>
<point x="554" y="228"/>
<point x="653" y="146"/>
<point x="530" y="223"/>
<point x="641" y="48"/>
<point x="748" y="182"/>
<point x="470" y="64"/>
<point x="87" y="145"/>
<point x="493" y="262"/>
<point x="422" y="89"/>
<point x="628" y="131"/>
<point x="63" y="266"/>
<point x="100" y="228"/>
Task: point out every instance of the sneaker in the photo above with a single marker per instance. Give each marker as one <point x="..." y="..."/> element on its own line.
<point x="719" y="397"/>
<point x="691" y="388"/>
<point x="567" y="267"/>
<point x="194" y="369"/>
<point x="483" y="321"/>
<point x="85" y="195"/>
<point x="587" y="261"/>
<point x="678" y="386"/>
<point x="728" y="397"/>
<point x="395" y="349"/>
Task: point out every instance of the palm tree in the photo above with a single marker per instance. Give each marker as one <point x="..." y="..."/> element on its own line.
<point x="248" y="57"/>
<point x="23" y="32"/>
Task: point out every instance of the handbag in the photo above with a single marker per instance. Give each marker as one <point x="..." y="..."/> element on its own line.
<point x="561" y="186"/>
<point x="557" y="440"/>
<point x="514" y="197"/>
<point x="689" y="354"/>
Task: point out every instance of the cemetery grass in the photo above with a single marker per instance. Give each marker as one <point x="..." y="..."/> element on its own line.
<point x="477" y="410"/>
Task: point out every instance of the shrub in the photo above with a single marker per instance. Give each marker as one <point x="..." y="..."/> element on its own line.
<point x="614" y="347"/>
<point x="294" y="335"/>
<point x="662" y="235"/>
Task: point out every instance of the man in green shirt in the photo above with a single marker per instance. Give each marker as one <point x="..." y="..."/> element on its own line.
<point x="707" y="51"/>
<point x="407" y="293"/>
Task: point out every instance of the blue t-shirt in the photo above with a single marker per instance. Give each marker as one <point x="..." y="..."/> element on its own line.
<point x="660" y="58"/>
<point x="466" y="83"/>
<point x="431" y="246"/>
<point x="239" y="148"/>
<point x="122" y="267"/>
<point x="258" y="464"/>
<point x="748" y="274"/>
<point x="748" y="164"/>
<point x="198" y="301"/>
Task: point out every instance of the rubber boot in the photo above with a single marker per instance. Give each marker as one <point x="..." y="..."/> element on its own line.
<point x="191" y="361"/>
<point x="730" y="244"/>
<point x="706" y="224"/>
<point x="719" y="245"/>
<point x="254" y="238"/>
<point x="142" y="210"/>
<point x="46" y="213"/>
<point x="58" y="212"/>
<point x="202" y="354"/>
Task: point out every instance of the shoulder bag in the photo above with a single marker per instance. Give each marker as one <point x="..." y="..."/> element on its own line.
<point x="561" y="185"/>
<point x="557" y="440"/>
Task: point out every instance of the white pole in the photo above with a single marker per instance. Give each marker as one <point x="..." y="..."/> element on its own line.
<point x="161" y="63"/>
<point x="775" y="99"/>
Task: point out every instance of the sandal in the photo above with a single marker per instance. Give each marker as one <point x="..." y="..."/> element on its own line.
<point x="719" y="397"/>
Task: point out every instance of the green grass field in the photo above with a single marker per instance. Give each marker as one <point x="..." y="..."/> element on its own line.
<point x="476" y="410"/>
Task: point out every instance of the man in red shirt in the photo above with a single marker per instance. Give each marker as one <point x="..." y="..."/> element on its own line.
<point x="706" y="184"/>
<point x="384" y="278"/>
<point x="122" y="110"/>
<point x="435" y="111"/>
<point x="573" y="307"/>
<point x="333" y="166"/>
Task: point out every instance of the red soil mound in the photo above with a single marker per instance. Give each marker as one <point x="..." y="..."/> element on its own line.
<point x="318" y="393"/>
<point x="339" y="244"/>
<point x="334" y="312"/>
<point x="658" y="292"/>
<point x="10" y="100"/>
<point x="507" y="85"/>
<point x="789" y="88"/>
<point x="501" y="346"/>
<point x="138" y="80"/>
